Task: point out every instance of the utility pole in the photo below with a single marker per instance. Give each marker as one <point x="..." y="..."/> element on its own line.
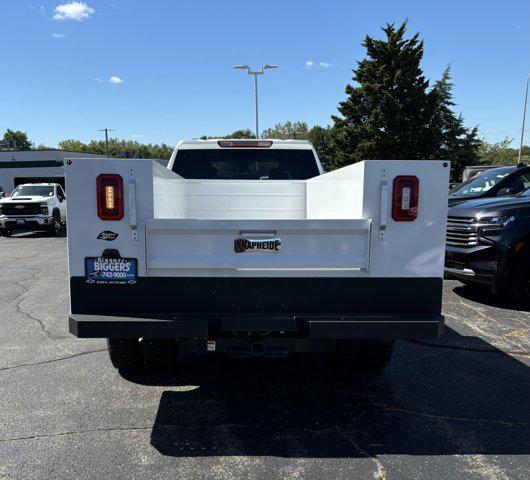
<point x="106" y="130"/>
<point x="524" y="118"/>
<point x="256" y="73"/>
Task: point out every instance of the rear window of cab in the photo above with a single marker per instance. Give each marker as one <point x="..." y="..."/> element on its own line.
<point x="246" y="164"/>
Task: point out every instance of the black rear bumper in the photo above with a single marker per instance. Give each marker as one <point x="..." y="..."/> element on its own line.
<point x="312" y="327"/>
<point x="205" y="307"/>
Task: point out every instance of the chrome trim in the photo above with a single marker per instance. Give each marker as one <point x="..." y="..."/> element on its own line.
<point x="465" y="271"/>
<point x="462" y="232"/>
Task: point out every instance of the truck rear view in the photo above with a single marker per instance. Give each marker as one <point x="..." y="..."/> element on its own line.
<point x="248" y="247"/>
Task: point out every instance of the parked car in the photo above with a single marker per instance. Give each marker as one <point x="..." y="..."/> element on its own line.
<point x="249" y="246"/>
<point x="488" y="243"/>
<point x="474" y="170"/>
<point x="34" y="207"/>
<point x="496" y="182"/>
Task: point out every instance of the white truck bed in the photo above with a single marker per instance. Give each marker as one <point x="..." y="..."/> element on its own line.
<point x="341" y="251"/>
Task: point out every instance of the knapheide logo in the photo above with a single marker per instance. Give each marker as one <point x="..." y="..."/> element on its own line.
<point x="108" y="236"/>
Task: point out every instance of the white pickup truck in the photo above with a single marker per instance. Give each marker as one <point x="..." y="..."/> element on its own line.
<point x="249" y="248"/>
<point x="34" y="207"/>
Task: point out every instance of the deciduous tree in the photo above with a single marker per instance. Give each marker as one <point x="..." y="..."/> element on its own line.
<point x="20" y="138"/>
<point x="287" y="131"/>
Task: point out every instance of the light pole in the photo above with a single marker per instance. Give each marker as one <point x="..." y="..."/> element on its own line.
<point x="106" y="130"/>
<point x="524" y="118"/>
<point x="256" y="73"/>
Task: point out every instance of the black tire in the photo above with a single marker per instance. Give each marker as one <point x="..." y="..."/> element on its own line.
<point x="125" y="354"/>
<point x="56" y="227"/>
<point x="160" y="354"/>
<point x="519" y="284"/>
<point x="374" y="355"/>
<point x="363" y="356"/>
<point x="343" y="358"/>
<point x="6" y="232"/>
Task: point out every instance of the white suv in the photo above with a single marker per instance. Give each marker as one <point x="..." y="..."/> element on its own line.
<point x="34" y="207"/>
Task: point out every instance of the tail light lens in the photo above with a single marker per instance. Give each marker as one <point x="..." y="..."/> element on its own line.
<point x="110" y="196"/>
<point x="405" y="198"/>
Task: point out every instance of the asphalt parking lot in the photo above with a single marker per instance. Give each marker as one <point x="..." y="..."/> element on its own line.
<point x="455" y="408"/>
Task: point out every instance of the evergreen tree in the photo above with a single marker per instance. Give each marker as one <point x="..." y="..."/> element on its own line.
<point x="324" y="142"/>
<point x="391" y="113"/>
<point x="449" y="139"/>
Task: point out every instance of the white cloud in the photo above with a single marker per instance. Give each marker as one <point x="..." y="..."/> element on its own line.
<point x="57" y="35"/>
<point x="98" y="79"/>
<point x="73" y="11"/>
<point x="322" y="64"/>
<point x="115" y="80"/>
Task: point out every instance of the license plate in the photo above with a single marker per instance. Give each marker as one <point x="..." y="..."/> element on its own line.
<point x="111" y="270"/>
<point x="21" y="221"/>
<point x="261" y="245"/>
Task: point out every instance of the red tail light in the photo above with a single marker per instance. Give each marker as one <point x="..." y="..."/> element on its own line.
<point x="405" y="198"/>
<point x="110" y="196"/>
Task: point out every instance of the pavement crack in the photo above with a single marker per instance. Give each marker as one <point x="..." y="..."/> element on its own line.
<point x="75" y="432"/>
<point x="504" y="423"/>
<point x="380" y="472"/>
<point x="124" y="429"/>
<point x="18" y="299"/>
<point x="520" y="353"/>
<point x="52" y="360"/>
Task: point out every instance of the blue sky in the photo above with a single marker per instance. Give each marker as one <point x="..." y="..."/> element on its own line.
<point x="174" y="61"/>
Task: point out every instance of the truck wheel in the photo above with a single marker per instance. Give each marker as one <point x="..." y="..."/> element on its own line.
<point x="6" y="232"/>
<point x="366" y="356"/>
<point x="519" y="285"/>
<point x="374" y="355"/>
<point x="56" y="224"/>
<point x="160" y="354"/>
<point x="125" y="354"/>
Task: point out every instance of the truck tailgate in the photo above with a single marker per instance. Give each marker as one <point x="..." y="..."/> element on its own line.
<point x="186" y="247"/>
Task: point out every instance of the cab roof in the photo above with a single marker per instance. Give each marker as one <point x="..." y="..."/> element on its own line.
<point x="266" y="143"/>
<point x="38" y="184"/>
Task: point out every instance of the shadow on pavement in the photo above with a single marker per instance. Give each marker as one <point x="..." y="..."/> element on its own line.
<point x="483" y="295"/>
<point x="430" y="401"/>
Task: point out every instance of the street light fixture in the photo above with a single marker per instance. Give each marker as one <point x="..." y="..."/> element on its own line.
<point x="524" y="118"/>
<point x="255" y="73"/>
<point x="106" y="130"/>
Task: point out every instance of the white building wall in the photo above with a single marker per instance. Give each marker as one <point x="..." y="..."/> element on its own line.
<point x="25" y="164"/>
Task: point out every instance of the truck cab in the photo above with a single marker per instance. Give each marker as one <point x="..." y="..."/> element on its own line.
<point x="249" y="247"/>
<point x="33" y="207"/>
<point x="246" y="160"/>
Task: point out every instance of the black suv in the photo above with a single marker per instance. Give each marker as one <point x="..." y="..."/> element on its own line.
<point x="495" y="182"/>
<point x="488" y="242"/>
